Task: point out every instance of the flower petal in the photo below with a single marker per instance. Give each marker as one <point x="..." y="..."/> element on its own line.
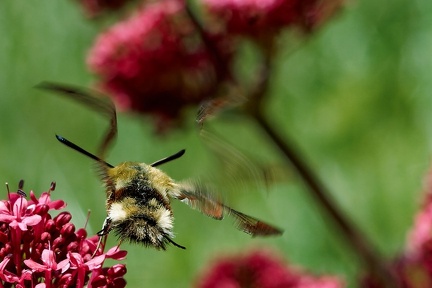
<point x="35" y="266"/>
<point x="116" y="253"/>
<point x="6" y="218"/>
<point x="19" y="207"/>
<point x="63" y="265"/>
<point x="3" y="208"/>
<point x="96" y="262"/>
<point x="48" y="258"/>
<point x="75" y="259"/>
<point x="57" y="204"/>
<point x="32" y="220"/>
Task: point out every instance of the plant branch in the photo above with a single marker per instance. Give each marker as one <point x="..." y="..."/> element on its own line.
<point x="364" y="249"/>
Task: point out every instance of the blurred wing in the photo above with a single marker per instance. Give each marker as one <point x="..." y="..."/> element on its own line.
<point x="229" y="97"/>
<point x="239" y="167"/>
<point x="84" y="96"/>
<point x="197" y="197"/>
<point x="101" y="105"/>
<point x="251" y="225"/>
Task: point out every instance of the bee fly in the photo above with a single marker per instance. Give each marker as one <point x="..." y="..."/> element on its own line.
<point x="138" y="195"/>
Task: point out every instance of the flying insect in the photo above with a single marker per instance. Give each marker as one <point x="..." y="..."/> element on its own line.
<point x="138" y="195"/>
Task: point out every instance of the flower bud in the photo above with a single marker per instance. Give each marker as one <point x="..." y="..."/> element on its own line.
<point x="62" y="219"/>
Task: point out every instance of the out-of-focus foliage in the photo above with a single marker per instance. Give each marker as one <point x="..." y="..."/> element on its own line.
<point x="356" y="97"/>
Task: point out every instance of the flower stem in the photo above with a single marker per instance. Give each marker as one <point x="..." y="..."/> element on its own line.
<point x="358" y="242"/>
<point x="364" y="249"/>
<point x="218" y="61"/>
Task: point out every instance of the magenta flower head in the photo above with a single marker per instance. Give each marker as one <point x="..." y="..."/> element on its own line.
<point x="38" y="250"/>
<point x="154" y="62"/>
<point x="264" y="18"/>
<point x="261" y="269"/>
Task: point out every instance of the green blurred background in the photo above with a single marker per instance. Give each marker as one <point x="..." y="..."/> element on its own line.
<point x="356" y="97"/>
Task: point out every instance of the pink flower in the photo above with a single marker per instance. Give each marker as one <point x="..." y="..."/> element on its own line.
<point x="10" y="277"/>
<point x="49" y="266"/>
<point x="81" y="266"/>
<point x="18" y="214"/>
<point x="264" y="18"/>
<point x="49" y="263"/>
<point x="44" y="201"/>
<point x="154" y="63"/>
<point x="261" y="269"/>
<point x="37" y="250"/>
<point x="111" y="277"/>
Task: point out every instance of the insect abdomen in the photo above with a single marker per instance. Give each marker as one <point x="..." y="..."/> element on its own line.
<point x="150" y="224"/>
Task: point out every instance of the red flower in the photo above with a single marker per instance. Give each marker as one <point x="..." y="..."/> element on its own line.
<point x="261" y="269"/>
<point x="111" y="277"/>
<point x="49" y="263"/>
<point x="264" y="18"/>
<point x="8" y="276"/>
<point x="36" y="248"/>
<point x="44" y="201"/>
<point x="49" y="266"/>
<point x="18" y="213"/>
<point x="154" y="62"/>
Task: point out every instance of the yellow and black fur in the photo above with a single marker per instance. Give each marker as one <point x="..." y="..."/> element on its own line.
<point x="138" y="204"/>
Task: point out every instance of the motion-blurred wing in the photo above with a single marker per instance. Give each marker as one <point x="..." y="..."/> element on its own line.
<point x="101" y="105"/>
<point x="202" y="200"/>
<point x="230" y="97"/>
<point x="199" y="198"/>
<point x="84" y="96"/>
<point x="238" y="167"/>
<point x="251" y="225"/>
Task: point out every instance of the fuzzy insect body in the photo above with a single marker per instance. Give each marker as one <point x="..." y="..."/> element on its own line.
<point x="138" y="195"/>
<point x="138" y="203"/>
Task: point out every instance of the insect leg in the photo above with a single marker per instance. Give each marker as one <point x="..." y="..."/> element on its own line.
<point x="106" y="227"/>
<point x="103" y="234"/>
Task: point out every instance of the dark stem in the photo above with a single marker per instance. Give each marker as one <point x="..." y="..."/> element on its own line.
<point x="357" y="240"/>
<point x="365" y="250"/>
<point x="214" y="53"/>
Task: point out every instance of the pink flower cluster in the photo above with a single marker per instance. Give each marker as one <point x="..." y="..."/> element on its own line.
<point x="37" y="250"/>
<point x="161" y="60"/>
<point x="262" y="269"/>
<point x="154" y="62"/>
<point x="264" y="18"/>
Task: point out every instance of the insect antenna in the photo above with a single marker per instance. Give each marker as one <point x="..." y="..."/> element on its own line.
<point x="174" y="243"/>
<point x="81" y="150"/>
<point x="169" y="158"/>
